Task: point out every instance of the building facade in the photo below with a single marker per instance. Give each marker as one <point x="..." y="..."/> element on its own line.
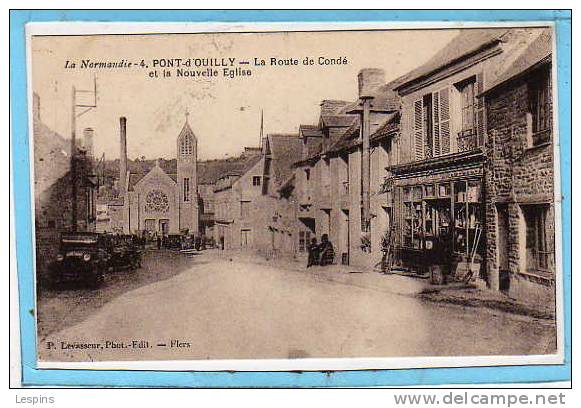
<point x="338" y="183"/>
<point x="60" y="208"/>
<point x="158" y="201"/>
<point x="520" y="210"/>
<point x="442" y="186"/>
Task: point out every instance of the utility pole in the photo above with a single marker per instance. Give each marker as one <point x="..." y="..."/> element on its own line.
<point x="366" y="164"/>
<point x="261" y="127"/>
<point x="74" y="155"/>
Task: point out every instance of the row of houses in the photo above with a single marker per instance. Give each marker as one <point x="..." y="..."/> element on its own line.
<point x="452" y="162"/>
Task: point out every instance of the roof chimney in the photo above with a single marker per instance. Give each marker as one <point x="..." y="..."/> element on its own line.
<point x="369" y="80"/>
<point x="122" y="156"/>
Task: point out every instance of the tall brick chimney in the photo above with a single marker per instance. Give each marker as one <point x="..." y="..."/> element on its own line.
<point x="88" y="137"/>
<point x="122" y="155"/>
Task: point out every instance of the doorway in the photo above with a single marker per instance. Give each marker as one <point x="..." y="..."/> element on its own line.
<point x="503" y="246"/>
<point x="345" y="238"/>
<point x="164" y="226"/>
<point x="245" y="238"/>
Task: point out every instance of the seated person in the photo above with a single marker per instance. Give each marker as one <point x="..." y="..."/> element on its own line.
<point x="326" y="251"/>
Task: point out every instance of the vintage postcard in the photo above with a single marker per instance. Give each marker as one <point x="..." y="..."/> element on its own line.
<point x="249" y="197"/>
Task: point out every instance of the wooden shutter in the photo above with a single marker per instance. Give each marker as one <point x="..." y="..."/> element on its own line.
<point x="480" y="111"/>
<point x="418" y="125"/>
<point x="436" y="124"/>
<point x="444" y="120"/>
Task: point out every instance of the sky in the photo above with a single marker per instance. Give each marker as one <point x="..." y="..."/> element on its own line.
<point x="224" y="113"/>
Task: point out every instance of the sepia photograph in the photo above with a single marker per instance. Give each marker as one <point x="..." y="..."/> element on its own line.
<point x="296" y="195"/>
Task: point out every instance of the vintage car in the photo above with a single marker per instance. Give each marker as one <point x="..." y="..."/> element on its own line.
<point x="173" y="241"/>
<point x="125" y="252"/>
<point x="188" y="242"/>
<point x="83" y="257"/>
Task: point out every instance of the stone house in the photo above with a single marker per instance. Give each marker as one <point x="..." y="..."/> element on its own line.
<point x="281" y="151"/>
<point x="438" y="186"/>
<point x="53" y="188"/>
<point x="338" y="183"/>
<point x="237" y="196"/>
<point x="247" y="215"/>
<point x="520" y="211"/>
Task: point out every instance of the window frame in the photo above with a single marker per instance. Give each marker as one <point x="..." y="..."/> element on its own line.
<point x="539" y="107"/>
<point x="186" y="191"/>
<point x="535" y="222"/>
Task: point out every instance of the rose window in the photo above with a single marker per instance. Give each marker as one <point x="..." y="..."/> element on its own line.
<point x="156" y="201"/>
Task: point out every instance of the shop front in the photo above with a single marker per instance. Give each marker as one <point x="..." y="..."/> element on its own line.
<point x="439" y="213"/>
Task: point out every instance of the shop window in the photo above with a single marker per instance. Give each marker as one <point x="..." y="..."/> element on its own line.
<point x="538" y="254"/>
<point x="540" y="108"/>
<point x="467" y="218"/>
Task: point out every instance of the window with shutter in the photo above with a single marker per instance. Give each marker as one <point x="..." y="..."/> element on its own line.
<point x="480" y="112"/>
<point x="444" y="117"/>
<point x="436" y="125"/>
<point x="418" y="129"/>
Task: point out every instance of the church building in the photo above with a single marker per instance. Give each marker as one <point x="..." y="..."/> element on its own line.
<point x="158" y="201"/>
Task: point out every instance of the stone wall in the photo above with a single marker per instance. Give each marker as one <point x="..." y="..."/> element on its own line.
<point x="517" y="174"/>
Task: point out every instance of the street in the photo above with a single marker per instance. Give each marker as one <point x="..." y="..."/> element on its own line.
<point x="216" y="305"/>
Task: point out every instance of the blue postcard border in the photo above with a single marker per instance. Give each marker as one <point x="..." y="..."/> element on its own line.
<point x="20" y="171"/>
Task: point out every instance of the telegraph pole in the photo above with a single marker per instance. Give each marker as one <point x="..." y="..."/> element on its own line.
<point x="74" y="159"/>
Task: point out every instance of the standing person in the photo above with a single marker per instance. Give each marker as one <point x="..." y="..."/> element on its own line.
<point x="158" y="242"/>
<point x="313" y="253"/>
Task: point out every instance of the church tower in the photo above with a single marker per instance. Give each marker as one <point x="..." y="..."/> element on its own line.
<point x="187" y="179"/>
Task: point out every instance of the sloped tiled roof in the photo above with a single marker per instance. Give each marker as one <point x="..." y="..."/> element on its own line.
<point x="208" y="171"/>
<point x="385" y="98"/>
<point x="348" y="140"/>
<point x="343" y="120"/>
<point x="245" y="167"/>
<point x="390" y="125"/>
<point x="351" y="137"/>
<point x="540" y="49"/>
<point x="286" y="150"/>
<point x="135" y="178"/>
<point x="211" y="170"/>
<point x="310" y="131"/>
<point x="468" y="42"/>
